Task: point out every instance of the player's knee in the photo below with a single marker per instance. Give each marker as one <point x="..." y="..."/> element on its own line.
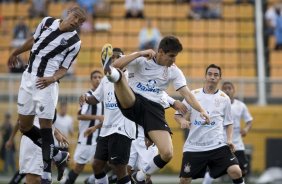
<point x="24" y="128"/>
<point x="185" y="180"/>
<point x="167" y="155"/>
<point x="98" y="167"/>
<point x="234" y="172"/>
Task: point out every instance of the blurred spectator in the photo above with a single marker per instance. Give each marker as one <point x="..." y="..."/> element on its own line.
<point x="88" y="5"/>
<point x="205" y="9"/>
<point x="8" y="155"/>
<point x="87" y="26"/>
<point x="20" y="33"/>
<point x="38" y="8"/>
<point x="270" y="18"/>
<point x="149" y="36"/>
<point x="278" y="30"/>
<point x="244" y="1"/>
<point x="134" y="8"/>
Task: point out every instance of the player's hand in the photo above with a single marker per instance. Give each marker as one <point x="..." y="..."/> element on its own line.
<point x="148" y="142"/>
<point x="243" y="132"/>
<point x="62" y="140"/>
<point x="82" y="99"/>
<point x="43" y="82"/>
<point x="13" y="61"/>
<point x="231" y="146"/>
<point x="185" y="124"/>
<point x="9" y="144"/>
<point x="89" y="131"/>
<point x="149" y="54"/>
<point x="180" y="107"/>
<point x="206" y="117"/>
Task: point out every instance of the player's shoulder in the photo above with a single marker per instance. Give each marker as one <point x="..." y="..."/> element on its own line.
<point x="223" y="95"/>
<point x="239" y="102"/>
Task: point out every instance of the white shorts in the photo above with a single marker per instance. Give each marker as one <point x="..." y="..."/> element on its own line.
<point x="30" y="158"/>
<point x="140" y="155"/>
<point x="84" y="153"/>
<point x="32" y="100"/>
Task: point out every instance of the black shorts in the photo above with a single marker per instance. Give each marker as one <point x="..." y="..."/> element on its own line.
<point x="243" y="161"/>
<point x="194" y="164"/>
<point x="146" y="113"/>
<point x="114" y="148"/>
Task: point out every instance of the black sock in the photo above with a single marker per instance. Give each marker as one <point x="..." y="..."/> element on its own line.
<point x="159" y="161"/>
<point x="47" y="148"/>
<point x="238" y="181"/>
<point x="17" y="178"/>
<point x="124" y="180"/>
<point x="71" y="177"/>
<point x="34" y="135"/>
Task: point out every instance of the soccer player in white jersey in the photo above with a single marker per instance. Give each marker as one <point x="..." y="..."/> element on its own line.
<point x="115" y="137"/>
<point x="88" y="116"/>
<point x="206" y="145"/>
<point x="30" y="156"/>
<point x="141" y="98"/>
<point x="54" y="46"/>
<point x="239" y="111"/>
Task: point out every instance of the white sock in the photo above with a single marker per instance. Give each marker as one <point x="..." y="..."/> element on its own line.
<point x="46" y="175"/>
<point x="115" y="75"/>
<point x="149" y="169"/>
<point x="103" y="180"/>
<point x="58" y="156"/>
<point x="207" y="179"/>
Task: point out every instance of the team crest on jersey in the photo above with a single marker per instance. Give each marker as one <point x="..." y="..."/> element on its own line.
<point x="187" y="168"/>
<point x="64" y="41"/>
<point x="41" y="108"/>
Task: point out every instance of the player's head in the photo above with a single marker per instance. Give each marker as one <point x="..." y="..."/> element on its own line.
<point x="76" y="17"/>
<point x="95" y="78"/>
<point x="228" y="88"/>
<point x="168" y="49"/>
<point x="117" y="53"/>
<point x="213" y="74"/>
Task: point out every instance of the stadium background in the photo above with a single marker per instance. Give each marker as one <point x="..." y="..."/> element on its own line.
<point x="229" y="42"/>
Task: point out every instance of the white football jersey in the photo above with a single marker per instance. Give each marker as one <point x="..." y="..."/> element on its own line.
<point x="150" y="80"/>
<point x="114" y="121"/>
<point x="239" y="111"/>
<point x="87" y="109"/>
<point x="204" y="137"/>
<point x="64" y="124"/>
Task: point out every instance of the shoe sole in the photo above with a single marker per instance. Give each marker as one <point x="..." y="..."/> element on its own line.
<point x="107" y="53"/>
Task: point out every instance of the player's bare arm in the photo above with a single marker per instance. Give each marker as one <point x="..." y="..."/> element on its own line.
<point x="13" y="60"/>
<point x="90" y="117"/>
<point x="179" y="106"/>
<point x="246" y="129"/>
<point x="124" y="61"/>
<point x="61" y="138"/>
<point x="10" y="141"/>
<point x="43" y="82"/>
<point x="87" y="99"/>
<point x="92" y="129"/>
<point x="183" y="120"/>
<point x="229" y="134"/>
<point x="190" y="99"/>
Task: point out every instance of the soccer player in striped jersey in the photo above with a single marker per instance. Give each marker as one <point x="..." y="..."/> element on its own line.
<point x="54" y="46"/>
<point x="88" y="116"/>
<point x="141" y="97"/>
<point x="206" y="145"/>
<point x="239" y="111"/>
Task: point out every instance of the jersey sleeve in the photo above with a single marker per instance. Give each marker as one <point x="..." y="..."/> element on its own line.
<point x="39" y="28"/>
<point x="179" y="79"/>
<point x="246" y="115"/>
<point x="227" y="113"/>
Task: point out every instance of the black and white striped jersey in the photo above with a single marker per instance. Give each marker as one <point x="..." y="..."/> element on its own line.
<point x="52" y="48"/>
<point x="87" y="109"/>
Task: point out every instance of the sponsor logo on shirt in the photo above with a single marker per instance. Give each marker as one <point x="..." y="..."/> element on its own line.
<point x="203" y="123"/>
<point x="149" y="87"/>
<point x="109" y="104"/>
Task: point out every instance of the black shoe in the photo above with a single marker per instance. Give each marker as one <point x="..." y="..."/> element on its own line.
<point x="106" y="57"/>
<point x="46" y="181"/>
<point x="62" y="164"/>
<point x="134" y="179"/>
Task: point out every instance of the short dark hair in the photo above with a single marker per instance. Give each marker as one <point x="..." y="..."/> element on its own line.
<point x="95" y="71"/>
<point x="213" y="66"/>
<point x="228" y="83"/>
<point x="170" y="44"/>
<point x="116" y="49"/>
